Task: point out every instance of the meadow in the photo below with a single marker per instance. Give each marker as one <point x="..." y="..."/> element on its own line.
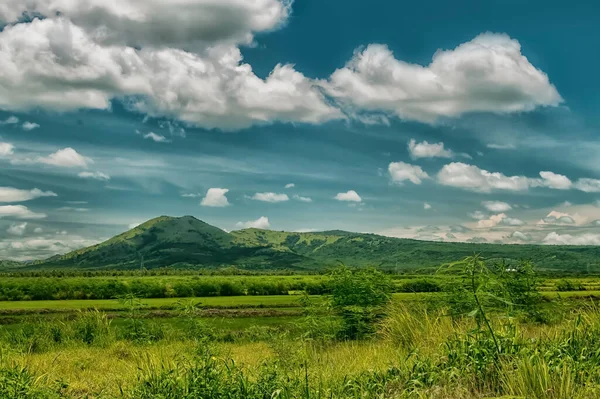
<point x="476" y="331"/>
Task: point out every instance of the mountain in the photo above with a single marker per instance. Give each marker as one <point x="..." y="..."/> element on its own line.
<point x="187" y="242"/>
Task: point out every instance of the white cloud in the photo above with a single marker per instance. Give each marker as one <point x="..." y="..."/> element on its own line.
<point x="290" y="185"/>
<point x="496" y="206"/>
<point x="270" y="197"/>
<point x="157" y="138"/>
<point x="11" y="194"/>
<point x="6" y="149"/>
<point x="72" y="209"/>
<point x="555" y="181"/>
<point x="487" y="74"/>
<point x="19" y="212"/>
<point x="519" y="236"/>
<point x="260" y="223"/>
<point x="94" y="175"/>
<point x="499" y="219"/>
<point x="426" y="150"/>
<point x="159" y="23"/>
<point x="555" y="217"/>
<point x="477" y="215"/>
<point x="470" y="177"/>
<point x="211" y="87"/>
<point x="215" y="197"/>
<point x="17" y="229"/>
<point x="28" y="126"/>
<point x="66" y="158"/>
<point x="302" y="199"/>
<point x="11" y="120"/>
<point x="400" y="172"/>
<point x="501" y="146"/>
<point x="350" y="196"/>
<point x="588" y="185"/>
<point x="555" y="238"/>
<point x="566" y="204"/>
<point x="38" y="230"/>
<point x="426" y="206"/>
<point x="191" y="195"/>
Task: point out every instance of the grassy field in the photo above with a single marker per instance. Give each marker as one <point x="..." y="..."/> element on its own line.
<point x="409" y="344"/>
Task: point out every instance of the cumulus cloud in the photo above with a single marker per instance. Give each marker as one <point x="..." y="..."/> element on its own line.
<point x="470" y="177"/>
<point x="487" y="74"/>
<point x="28" y="126"/>
<point x="6" y="149"/>
<point x="426" y="150"/>
<point x="302" y="199"/>
<point x="11" y="194"/>
<point x="555" y="181"/>
<point x="94" y="175"/>
<point x="157" y="138"/>
<point x="519" y="236"/>
<point x="477" y="215"/>
<point x="350" y="196"/>
<point x="38" y="230"/>
<point x="11" y="120"/>
<point x="555" y="217"/>
<point x="457" y="228"/>
<point x="260" y="223"/>
<point x="450" y="236"/>
<point x="41" y="248"/>
<point x="499" y="219"/>
<point x="270" y="197"/>
<point x="400" y="172"/>
<point x="17" y="229"/>
<point x="555" y="238"/>
<point x="588" y="185"/>
<point x="496" y="206"/>
<point x="19" y="212"/>
<point x="211" y="87"/>
<point x="426" y="206"/>
<point x="159" y="23"/>
<point x="290" y="185"/>
<point x="66" y="158"/>
<point x="215" y="197"/>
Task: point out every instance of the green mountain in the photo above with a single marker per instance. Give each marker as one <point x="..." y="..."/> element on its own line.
<point x="189" y="242"/>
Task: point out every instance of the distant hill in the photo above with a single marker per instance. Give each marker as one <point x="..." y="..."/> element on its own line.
<point x="187" y="242"/>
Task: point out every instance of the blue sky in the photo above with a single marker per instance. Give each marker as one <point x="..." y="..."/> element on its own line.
<point x="411" y="120"/>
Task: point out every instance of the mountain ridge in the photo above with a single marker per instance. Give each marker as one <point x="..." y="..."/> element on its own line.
<point x="187" y="242"/>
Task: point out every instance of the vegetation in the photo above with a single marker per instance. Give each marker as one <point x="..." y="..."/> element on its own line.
<point x="478" y="328"/>
<point x="188" y="243"/>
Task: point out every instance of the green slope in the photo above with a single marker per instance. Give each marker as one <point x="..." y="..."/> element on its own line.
<point x="189" y="242"/>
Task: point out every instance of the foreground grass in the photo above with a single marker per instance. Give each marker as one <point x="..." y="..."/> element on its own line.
<point x="417" y="353"/>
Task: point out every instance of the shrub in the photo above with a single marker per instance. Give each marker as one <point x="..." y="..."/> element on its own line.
<point x="359" y="296"/>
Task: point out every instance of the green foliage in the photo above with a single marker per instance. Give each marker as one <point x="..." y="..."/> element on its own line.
<point x="46" y="288"/>
<point x="188" y="243"/>
<point x="358" y="296"/>
<point x="569" y="285"/>
<point x="19" y="383"/>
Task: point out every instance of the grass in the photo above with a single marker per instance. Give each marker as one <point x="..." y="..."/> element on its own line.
<point x="231" y="301"/>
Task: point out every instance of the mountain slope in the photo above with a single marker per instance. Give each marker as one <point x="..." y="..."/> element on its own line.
<point x="189" y="242"/>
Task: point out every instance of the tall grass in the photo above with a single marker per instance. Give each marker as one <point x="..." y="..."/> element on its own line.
<point x="417" y="353"/>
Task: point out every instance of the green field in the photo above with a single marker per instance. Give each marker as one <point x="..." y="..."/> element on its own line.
<point x="423" y="341"/>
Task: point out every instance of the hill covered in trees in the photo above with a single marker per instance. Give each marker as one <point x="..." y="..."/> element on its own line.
<point x="187" y="242"/>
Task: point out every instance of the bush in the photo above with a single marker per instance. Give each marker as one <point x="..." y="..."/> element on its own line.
<point x="358" y="296"/>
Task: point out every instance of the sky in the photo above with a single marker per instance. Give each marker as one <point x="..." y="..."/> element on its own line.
<point x="462" y="121"/>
